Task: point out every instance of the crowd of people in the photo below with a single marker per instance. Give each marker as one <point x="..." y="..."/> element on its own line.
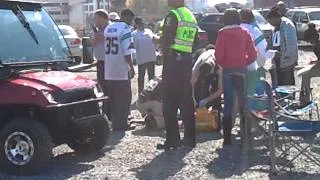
<point x="240" y="49"/>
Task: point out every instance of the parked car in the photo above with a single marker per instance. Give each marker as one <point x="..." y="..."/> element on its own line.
<point x="212" y="23"/>
<point x="203" y="39"/>
<point x="41" y="108"/>
<point x="198" y="16"/>
<point x="221" y="7"/>
<point x="302" y="17"/>
<point x="264" y="12"/>
<point x="74" y="42"/>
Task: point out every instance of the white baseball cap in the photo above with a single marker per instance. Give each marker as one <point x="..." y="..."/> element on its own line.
<point x="114" y="16"/>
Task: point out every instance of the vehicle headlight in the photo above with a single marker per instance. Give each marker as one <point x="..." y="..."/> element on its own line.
<point x="98" y="91"/>
<point x="48" y="96"/>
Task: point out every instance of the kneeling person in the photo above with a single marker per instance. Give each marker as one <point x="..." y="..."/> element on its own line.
<point x="207" y="81"/>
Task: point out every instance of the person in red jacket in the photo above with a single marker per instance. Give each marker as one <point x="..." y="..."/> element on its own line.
<point x="234" y="52"/>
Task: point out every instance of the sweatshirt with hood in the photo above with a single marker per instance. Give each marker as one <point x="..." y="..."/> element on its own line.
<point x="235" y="48"/>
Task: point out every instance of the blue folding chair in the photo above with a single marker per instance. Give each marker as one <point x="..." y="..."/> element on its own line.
<point x="286" y="100"/>
<point x="287" y="104"/>
<point x="290" y="134"/>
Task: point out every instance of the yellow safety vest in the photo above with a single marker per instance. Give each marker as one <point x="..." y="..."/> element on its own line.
<point x="186" y="31"/>
<point x="161" y="27"/>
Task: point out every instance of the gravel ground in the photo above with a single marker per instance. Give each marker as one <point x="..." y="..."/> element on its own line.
<point x="132" y="155"/>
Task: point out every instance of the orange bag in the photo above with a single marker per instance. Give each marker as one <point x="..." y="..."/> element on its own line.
<point x="206" y="119"/>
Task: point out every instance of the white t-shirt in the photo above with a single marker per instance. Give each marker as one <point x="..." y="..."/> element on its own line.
<point x="145" y="48"/>
<point x="117" y="43"/>
<point x="206" y="57"/>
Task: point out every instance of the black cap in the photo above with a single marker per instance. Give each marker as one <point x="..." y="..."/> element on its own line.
<point x="127" y="12"/>
<point x="274" y="13"/>
<point x="138" y="20"/>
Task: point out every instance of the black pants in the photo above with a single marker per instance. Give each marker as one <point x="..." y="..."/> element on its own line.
<point x="178" y="95"/>
<point x="286" y="77"/>
<point x="142" y="71"/>
<point x="120" y="101"/>
<point x="282" y="77"/>
<point x="102" y="82"/>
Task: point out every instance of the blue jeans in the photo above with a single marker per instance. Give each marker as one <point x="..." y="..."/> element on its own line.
<point x="229" y="91"/>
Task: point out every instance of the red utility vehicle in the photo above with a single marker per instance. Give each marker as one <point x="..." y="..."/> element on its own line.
<point x="40" y="105"/>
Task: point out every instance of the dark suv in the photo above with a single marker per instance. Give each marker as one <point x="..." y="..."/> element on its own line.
<point x="41" y="106"/>
<point x="213" y="22"/>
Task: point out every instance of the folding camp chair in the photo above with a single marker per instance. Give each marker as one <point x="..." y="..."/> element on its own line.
<point x="287" y="104"/>
<point x="291" y="134"/>
<point x="285" y="100"/>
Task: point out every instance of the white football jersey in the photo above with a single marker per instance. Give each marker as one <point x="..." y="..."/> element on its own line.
<point x="117" y="45"/>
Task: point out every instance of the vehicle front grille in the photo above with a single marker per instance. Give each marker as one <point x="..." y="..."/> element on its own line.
<point x="82" y="110"/>
<point x="74" y="95"/>
<point x="78" y="110"/>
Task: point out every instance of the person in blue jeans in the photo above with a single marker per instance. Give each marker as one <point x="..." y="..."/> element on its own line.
<point x="234" y="52"/>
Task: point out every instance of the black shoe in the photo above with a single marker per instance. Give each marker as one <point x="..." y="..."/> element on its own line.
<point x="167" y="146"/>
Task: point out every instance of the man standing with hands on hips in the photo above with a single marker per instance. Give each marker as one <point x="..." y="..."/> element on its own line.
<point x="119" y="69"/>
<point x="177" y="41"/>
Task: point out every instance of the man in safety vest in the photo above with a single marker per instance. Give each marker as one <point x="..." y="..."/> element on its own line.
<point x="178" y="38"/>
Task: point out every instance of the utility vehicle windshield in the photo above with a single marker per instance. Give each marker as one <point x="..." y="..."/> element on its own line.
<point x="28" y="34"/>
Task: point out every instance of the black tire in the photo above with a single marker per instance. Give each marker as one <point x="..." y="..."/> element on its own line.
<point x="77" y="60"/>
<point x="99" y="137"/>
<point x="40" y="139"/>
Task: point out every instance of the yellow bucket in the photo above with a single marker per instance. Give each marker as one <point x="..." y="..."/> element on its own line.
<point x="206" y="119"/>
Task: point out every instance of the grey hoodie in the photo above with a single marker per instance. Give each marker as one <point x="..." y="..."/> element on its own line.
<point x="288" y="44"/>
